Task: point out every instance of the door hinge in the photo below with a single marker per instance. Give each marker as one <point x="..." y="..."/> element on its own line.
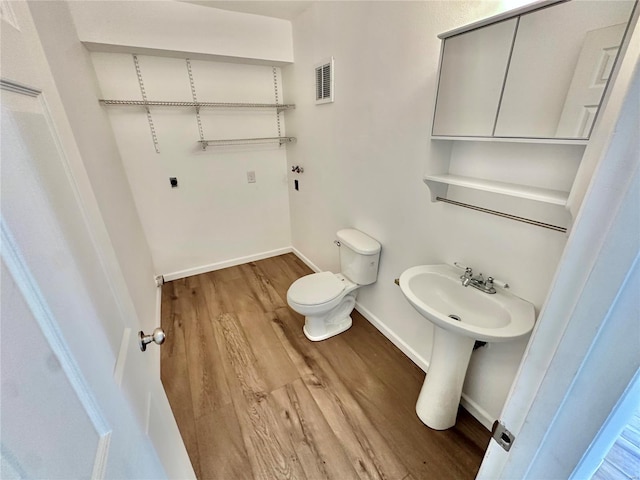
<point x="503" y="436"/>
<point x="159" y="280"/>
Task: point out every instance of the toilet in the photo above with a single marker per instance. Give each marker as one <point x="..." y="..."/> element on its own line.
<point x="326" y="299"/>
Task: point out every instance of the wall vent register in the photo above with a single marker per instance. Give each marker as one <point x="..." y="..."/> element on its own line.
<point x="324" y="81"/>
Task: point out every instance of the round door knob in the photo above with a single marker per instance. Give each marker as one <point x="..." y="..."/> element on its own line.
<point x="158" y="336"/>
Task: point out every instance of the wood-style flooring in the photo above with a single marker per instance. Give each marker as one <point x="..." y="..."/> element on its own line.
<point x="254" y="399"/>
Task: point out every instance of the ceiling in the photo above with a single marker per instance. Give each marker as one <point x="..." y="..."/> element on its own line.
<point x="285" y="9"/>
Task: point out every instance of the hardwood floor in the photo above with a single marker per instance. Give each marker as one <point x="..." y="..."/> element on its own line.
<point x="255" y="399"/>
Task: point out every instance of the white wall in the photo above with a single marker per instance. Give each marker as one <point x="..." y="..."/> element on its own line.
<point x="168" y="27"/>
<point x="98" y="155"/>
<point x="364" y="157"/>
<point x="214" y="217"/>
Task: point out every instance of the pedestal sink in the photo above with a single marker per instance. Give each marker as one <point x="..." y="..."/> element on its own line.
<point x="461" y="315"/>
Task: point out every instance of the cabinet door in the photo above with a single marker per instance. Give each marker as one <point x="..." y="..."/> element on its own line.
<point x="472" y="75"/>
<point x="544" y="65"/>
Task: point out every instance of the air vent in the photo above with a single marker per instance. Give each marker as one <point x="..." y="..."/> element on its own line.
<point x="324" y="81"/>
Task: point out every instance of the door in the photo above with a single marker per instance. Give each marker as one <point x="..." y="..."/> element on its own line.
<point x="594" y="67"/>
<point x="76" y="396"/>
<point x="63" y="415"/>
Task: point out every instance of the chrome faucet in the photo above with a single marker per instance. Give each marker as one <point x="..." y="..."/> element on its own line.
<point x="483" y="285"/>
<point x="478" y="281"/>
<point x="466" y="278"/>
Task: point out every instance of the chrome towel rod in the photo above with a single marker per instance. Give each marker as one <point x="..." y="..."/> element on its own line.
<point x="245" y="141"/>
<point x="503" y="215"/>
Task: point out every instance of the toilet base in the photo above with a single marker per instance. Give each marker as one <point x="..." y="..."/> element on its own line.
<point x="329" y="330"/>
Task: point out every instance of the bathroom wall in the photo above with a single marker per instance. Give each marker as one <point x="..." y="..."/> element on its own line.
<point x="364" y="157"/>
<point x="98" y="153"/>
<point x="168" y="27"/>
<point x="214" y="217"/>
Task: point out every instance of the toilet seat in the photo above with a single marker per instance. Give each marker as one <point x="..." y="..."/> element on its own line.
<point x="316" y="289"/>
<point x="325" y="299"/>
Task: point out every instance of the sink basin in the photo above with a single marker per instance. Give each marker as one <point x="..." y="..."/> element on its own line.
<point x="460" y="315"/>
<point x="437" y="293"/>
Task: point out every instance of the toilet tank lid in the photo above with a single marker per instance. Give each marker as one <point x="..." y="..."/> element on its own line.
<point x="359" y="242"/>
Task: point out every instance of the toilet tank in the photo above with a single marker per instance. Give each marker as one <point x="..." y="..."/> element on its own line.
<point x="359" y="256"/>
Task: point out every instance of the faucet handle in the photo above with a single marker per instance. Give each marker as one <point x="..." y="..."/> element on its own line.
<point x="492" y="281"/>
<point x="466" y="276"/>
<point x="467" y="270"/>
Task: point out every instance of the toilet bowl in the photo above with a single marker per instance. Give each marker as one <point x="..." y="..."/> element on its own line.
<point x="327" y="299"/>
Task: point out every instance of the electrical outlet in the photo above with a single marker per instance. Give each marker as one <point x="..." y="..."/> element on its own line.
<point x="251" y="177"/>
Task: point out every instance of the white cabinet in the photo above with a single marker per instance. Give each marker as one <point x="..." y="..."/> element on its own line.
<point x="516" y="77"/>
<point x="471" y="80"/>
<point x="545" y="72"/>
<point x="536" y="75"/>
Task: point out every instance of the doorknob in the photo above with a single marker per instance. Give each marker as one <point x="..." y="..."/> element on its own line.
<point x="157" y="336"/>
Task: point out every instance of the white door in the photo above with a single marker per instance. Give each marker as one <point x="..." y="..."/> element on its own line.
<point x="76" y="395"/>
<point x="590" y="77"/>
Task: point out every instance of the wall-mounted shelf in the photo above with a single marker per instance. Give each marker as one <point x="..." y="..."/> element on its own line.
<point x="162" y="103"/>
<point x="438" y="186"/>
<point x="145" y="103"/>
<point x="245" y="141"/>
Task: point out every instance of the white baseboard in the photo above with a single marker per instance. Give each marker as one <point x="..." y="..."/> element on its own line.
<point x="477" y="412"/>
<point x="168" y="277"/>
<point x="414" y="356"/>
<point x="308" y="262"/>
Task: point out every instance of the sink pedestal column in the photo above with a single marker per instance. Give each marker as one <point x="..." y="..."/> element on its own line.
<point x="439" y="398"/>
